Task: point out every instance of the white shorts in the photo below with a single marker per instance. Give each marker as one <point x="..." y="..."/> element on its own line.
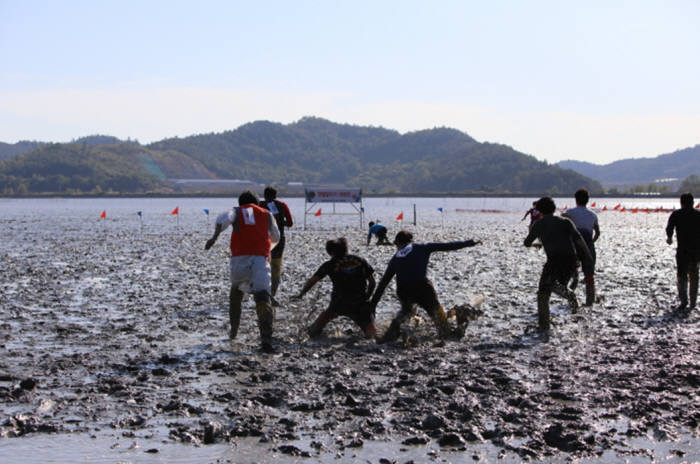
<point x="250" y="274"/>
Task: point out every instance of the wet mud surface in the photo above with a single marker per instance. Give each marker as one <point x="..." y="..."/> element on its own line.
<point x="112" y="331"/>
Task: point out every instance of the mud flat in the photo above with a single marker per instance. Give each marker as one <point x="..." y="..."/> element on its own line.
<point x="114" y="348"/>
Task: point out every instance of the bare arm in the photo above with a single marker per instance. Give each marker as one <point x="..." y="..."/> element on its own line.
<point x="212" y="240"/>
<point x="371" y="284"/>
<point x="307" y="286"/>
<point x="669" y="230"/>
<point x="272" y="230"/>
<point x="596" y="232"/>
<point x="287" y="216"/>
<point x="386" y="278"/>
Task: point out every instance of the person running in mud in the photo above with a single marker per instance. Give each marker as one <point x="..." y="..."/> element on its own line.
<point x="353" y="283"/>
<point x="410" y="265"/>
<point x="533" y="213"/>
<point x="283" y="217"/>
<point x="380" y="231"/>
<point x="559" y="238"/>
<point x="686" y="223"/>
<point x="254" y="234"/>
<point x="586" y="221"/>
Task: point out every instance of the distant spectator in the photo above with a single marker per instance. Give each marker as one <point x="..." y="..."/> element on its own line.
<point x="686" y="223"/>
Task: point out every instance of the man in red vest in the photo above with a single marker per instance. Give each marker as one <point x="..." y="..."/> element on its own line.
<point x="254" y="234"/>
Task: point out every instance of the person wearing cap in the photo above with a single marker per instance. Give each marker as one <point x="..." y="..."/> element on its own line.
<point x="559" y="238"/>
<point x="686" y="223"/>
<point x="283" y="217"/>
<point x="380" y="231"/>
<point x="254" y="234"/>
<point x="586" y="221"/>
<point x="353" y="283"/>
<point x="410" y="266"/>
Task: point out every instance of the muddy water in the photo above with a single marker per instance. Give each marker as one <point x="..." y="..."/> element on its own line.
<point x="113" y="346"/>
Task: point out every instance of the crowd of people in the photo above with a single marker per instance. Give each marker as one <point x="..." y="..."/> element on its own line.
<point x="257" y="245"/>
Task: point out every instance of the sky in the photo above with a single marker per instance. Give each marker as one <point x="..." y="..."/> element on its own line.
<point x="593" y="81"/>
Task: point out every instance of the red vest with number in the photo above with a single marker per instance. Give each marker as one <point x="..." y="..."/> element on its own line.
<point x="252" y="236"/>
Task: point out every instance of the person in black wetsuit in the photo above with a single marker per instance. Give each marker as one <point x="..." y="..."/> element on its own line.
<point x="686" y="223"/>
<point x="559" y="238"/>
<point x="353" y="283"/>
<point x="283" y="217"/>
<point x="410" y="265"/>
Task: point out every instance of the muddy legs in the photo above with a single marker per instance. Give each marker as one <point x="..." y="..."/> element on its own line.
<point x="590" y="289"/>
<point x="265" y="316"/>
<point x="234" y="311"/>
<point x="440" y="320"/>
<point x="543" y="310"/>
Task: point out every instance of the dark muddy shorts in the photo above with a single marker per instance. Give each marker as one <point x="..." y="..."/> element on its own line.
<point x="560" y="269"/>
<point x="687" y="261"/>
<point x="421" y="293"/>
<point x="360" y="311"/>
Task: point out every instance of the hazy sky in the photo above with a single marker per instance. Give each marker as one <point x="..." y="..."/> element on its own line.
<point x="595" y="80"/>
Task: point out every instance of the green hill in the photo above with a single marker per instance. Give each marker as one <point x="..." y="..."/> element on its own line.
<point x="677" y="165"/>
<point x="311" y="151"/>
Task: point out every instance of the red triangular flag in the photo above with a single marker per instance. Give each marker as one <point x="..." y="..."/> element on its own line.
<point x="593" y="205"/>
<point x="617" y="206"/>
<point x="605" y="208"/>
<point x="623" y="209"/>
<point x="400" y="216"/>
<point x="318" y="213"/>
<point x="635" y="210"/>
<point x="176" y="210"/>
<point x="104" y="214"/>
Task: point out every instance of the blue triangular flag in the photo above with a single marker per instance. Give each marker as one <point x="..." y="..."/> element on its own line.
<point x="206" y="211"/>
<point x="440" y="209"/>
<point x="138" y="212"/>
<point x="362" y="208"/>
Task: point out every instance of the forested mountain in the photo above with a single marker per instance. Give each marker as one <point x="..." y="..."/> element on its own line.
<point x="82" y="168"/>
<point x="8" y="150"/>
<point x="311" y="151"/>
<point x="678" y="165"/>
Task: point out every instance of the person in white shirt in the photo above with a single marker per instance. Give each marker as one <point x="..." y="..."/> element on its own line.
<point x="586" y="221"/>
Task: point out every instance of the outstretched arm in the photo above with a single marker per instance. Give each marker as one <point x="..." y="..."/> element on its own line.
<point x="386" y="278"/>
<point x="371" y="284"/>
<point x="230" y="217"/>
<point x="307" y="286"/>
<point x="449" y="246"/>
<point x="212" y="240"/>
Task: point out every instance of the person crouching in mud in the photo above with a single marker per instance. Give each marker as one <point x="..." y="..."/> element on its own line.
<point x="254" y="234"/>
<point x="380" y="231"/>
<point x="559" y="237"/>
<point x="353" y="283"/>
<point x="410" y="265"/>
